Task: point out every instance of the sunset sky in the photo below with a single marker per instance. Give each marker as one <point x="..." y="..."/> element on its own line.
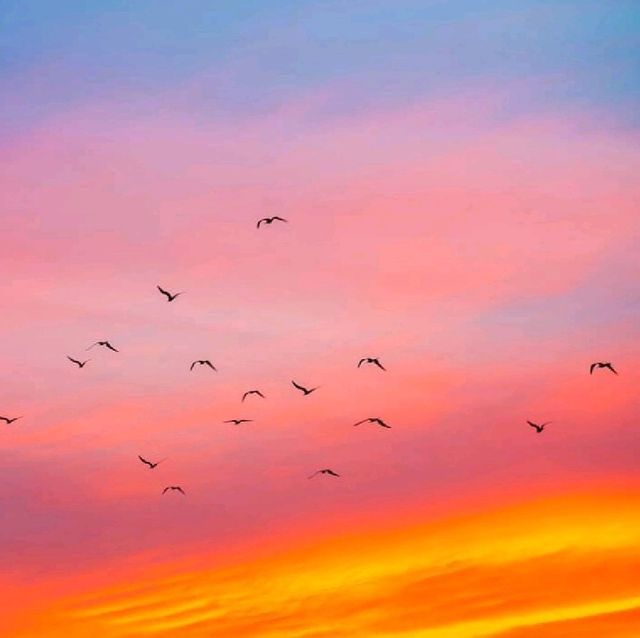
<point x="460" y="180"/>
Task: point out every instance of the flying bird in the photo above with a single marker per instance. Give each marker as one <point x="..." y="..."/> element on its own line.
<point x="80" y="364"/>
<point x="373" y="419"/>
<point x="9" y="421"/>
<point x="329" y="472"/>
<point x="270" y="220"/>
<point x="167" y="294"/>
<point x="304" y="390"/>
<point x="106" y="344"/>
<point x="246" y="394"/>
<point x="173" y="487"/>
<point x="601" y="364"/>
<point x="203" y="362"/>
<point x="238" y="421"/>
<point x="373" y="360"/>
<point x="149" y="463"/>
<point x="538" y="428"/>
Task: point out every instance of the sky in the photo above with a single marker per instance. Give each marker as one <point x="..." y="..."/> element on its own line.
<point x="460" y="184"/>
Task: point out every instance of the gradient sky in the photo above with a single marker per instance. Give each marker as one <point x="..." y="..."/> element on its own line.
<point x="461" y="181"/>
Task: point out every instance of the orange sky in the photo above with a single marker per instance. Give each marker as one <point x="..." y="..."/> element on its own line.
<point x="480" y="236"/>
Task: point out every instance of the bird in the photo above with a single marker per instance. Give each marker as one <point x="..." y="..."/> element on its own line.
<point x="80" y="364"/>
<point x="601" y="364"/>
<point x="203" y="362"/>
<point x="238" y="421"/>
<point x="106" y="344"/>
<point x="373" y="419"/>
<point x="327" y="471"/>
<point x="373" y="360"/>
<point x="270" y="220"/>
<point x="167" y="294"/>
<point x="538" y="428"/>
<point x="149" y="463"/>
<point x="302" y="389"/>
<point x="246" y="394"/>
<point x="173" y="487"/>
<point x="9" y="421"/>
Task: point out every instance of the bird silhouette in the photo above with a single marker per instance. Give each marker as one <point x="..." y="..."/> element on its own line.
<point x="602" y="364"/>
<point x="167" y="294"/>
<point x="538" y="428"/>
<point x="203" y="362"/>
<point x="270" y="220"/>
<point x="246" y="394"/>
<point x="80" y="364"/>
<point x="238" y="421"/>
<point x="149" y="463"/>
<point x="9" y="421"/>
<point x="327" y="471"/>
<point x="373" y="360"/>
<point x="106" y="344"/>
<point x="304" y="390"/>
<point x="173" y="487"/>
<point x="373" y="419"/>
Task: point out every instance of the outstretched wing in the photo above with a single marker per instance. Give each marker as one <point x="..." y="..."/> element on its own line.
<point x="260" y="221"/>
<point x="164" y="292"/>
<point x="74" y="360"/>
<point x="379" y="365"/>
<point x="608" y="365"/>
<point x="360" y="422"/>
<point x="179" y="489"/>
<point x="282" y="219"/>
<point x="166" y="489"/>
<point x="296" y="385"/>
<point x="208" y="363"/>
<point x="361" y="362"/>
<point x="593" y="365"/>
<point x="381" y="423"/>
<point x="314" y="474"/>
<point x="533" y="425"/>
<point x="111" y="347"/>
<point x="145" y="461"/>
<point x="193" y="365"/>
<point x="92" y="345"/>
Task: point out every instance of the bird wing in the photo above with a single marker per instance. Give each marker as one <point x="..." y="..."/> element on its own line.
<point x="296" y="385"/>
<point x="164" y="292"/>
<point x="379" y="365"/>
<point x="193" y="365"/>
<point x="361" y="362"/>
<point x="73" y="360"/>
<point x="545" y="423"/>
<point x="179" y="489"/>
<point x="166" y="489"/>
<point x="314" y="474"/>
<point x="244" y="396"/>
<point x="382" y="423"/>
<point x="259" y="393"/>
<point x="282" y="219"/>
<point x="360" y="422"/>
<point x="533" y="425"/>
<point x="92" y="345"/>
<point x="144" y="460"/>
<point x="260" y="222"/>
<point x="611" y="368"/>
<point x="4" y="418"/>
<point x="332" y="473"/>
<point x="593" y="365"/>
<point x="208" y="363"/>
<point x="111" y="347"/>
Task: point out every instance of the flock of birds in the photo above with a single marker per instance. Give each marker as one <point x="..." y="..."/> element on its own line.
<point x="538" y="427"/>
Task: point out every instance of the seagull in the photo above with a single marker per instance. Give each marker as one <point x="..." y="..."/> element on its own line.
<point x="203" y="362"/>
<point x="270" y="220"/>
<point x="238" y="421"/>
<point x="167" y="294"/>
<point x="173" y="487"/>
<point x="149" y="463"/>
<point x="106" y="344"/>
<point x="601" y="364"/>
<point x="373" y="419"/>
<point x="9" y="421"/>
<point x="329" y="472"/>
<point x="373" y="360"/>
<point x="80" y="364"/>
<point x="246" y="394"/>
<point x="538" y="428"/>
<point x="304" y="390"/>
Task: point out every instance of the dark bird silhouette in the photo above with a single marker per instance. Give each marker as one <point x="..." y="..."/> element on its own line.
<point x="270" y="220"/>
<point x="601" y="364"/>
<point x="106" y="344"/>
<point x="9" y="421"/>
<point x="304" y="390"/>
<point x="373" y="360"/>
<point x="203" y="362"/>
<point x="246" y="394"/>
<point x="149" y="463"/>
<point x="538" y="428"/>
<point x="80" y="364"/>
<point x="238" y="421"/>
<point x="329" y="472"/>
<point x="167" y="294"/>
<point x="373" y="419"/>
<point x="173" y="487"/>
